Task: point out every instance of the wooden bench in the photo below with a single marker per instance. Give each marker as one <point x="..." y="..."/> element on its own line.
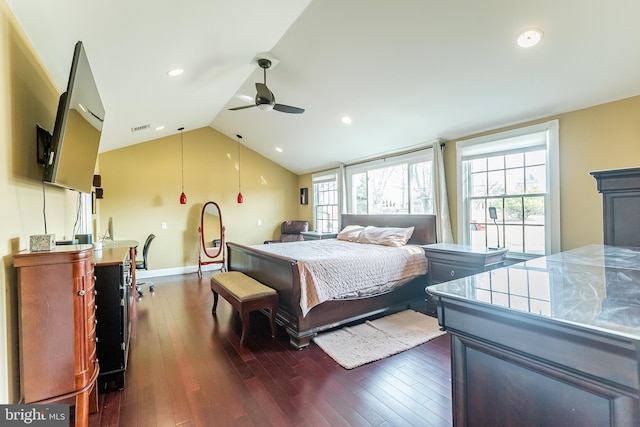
<point x="245" y="295"/>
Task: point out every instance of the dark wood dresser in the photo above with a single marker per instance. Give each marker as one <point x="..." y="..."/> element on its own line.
<point x="57" y="323"/>
<point x="620" y="190"/>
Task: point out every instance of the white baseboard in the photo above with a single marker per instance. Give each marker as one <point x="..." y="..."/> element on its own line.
<point x="145" y="274"/>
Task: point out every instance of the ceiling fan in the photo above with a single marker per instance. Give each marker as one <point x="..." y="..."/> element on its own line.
<point x="265" y="99"/>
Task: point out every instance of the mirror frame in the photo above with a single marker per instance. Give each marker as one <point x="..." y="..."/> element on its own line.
<point x="208" y="253"/>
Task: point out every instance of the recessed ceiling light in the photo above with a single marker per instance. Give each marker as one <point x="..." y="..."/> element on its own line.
<point x="346" y="120"/>
<point x="529" y="38"/>
<point x="279" y="150"/>
<point x="175" y="72"/>
<point x="160" y="128"/>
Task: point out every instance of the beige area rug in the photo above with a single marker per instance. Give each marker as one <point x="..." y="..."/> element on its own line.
<point x="374" y="340"/>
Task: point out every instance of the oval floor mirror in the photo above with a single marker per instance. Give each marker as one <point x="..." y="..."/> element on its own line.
<point x="211" y="233"/>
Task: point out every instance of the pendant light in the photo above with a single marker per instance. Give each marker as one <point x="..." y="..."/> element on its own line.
<point x="183" y="197"/>
<point x="240" y="198"/>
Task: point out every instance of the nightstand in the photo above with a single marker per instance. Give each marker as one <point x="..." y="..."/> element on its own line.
<point x="318" y="235"/>
<point x="450" y="262"/>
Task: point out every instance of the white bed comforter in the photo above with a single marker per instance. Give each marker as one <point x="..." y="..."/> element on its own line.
<point x="331" y="269"/>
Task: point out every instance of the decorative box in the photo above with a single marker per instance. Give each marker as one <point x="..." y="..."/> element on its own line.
<point x="42" y="242"/>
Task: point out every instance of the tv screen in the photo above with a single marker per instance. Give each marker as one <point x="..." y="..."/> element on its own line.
<point x="71" y="159"/>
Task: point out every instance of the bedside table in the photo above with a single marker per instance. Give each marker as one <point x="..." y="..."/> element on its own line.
<point x="317" y="235"/>
<point x="449" y="262"/>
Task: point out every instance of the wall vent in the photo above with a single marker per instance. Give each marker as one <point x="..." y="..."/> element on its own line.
<point x="139" y="128"/>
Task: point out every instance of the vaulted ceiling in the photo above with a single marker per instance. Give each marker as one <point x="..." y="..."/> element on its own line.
<point x="406" y="73"/>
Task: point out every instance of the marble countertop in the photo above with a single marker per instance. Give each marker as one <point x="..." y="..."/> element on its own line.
<point x="596" y="287"/>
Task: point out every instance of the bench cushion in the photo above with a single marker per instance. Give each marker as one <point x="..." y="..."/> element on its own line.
<point x="241" y="286"/>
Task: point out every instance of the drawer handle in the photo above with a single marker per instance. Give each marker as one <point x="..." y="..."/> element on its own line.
<point x="81" y="293"/>
<point x="453" y="273"/>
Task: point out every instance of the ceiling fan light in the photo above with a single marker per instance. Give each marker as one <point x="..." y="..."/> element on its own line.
<point x="265" y="107"/>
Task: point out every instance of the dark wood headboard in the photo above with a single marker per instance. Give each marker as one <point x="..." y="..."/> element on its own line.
<point x="424" y="225"/>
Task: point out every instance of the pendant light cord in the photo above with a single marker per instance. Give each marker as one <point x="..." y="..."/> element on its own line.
<point x="182" y="157"/>
<point x="239" y="138"/>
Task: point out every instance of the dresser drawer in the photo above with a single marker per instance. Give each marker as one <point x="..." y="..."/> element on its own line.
<point x="443" y="272"/>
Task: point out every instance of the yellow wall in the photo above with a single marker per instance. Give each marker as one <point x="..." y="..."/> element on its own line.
<point x="27" y="97"/>
<point x="142" y="185"/>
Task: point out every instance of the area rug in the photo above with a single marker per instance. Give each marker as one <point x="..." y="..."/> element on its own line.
<point x="373" y="340"/>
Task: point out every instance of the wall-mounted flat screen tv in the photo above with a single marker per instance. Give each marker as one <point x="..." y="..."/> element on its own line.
<point x="71" y="156"/>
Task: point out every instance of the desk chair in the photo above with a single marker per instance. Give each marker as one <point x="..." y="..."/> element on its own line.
<point x="143" y="265"/>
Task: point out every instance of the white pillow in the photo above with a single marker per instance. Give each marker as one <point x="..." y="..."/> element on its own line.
<point x="387" y="236"/>
<point x="350" y="233"/>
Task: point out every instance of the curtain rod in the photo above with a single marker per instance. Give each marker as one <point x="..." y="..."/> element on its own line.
<point x="402" y="153"/>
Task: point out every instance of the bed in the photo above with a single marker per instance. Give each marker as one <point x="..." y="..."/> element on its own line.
<point x="282" y="273"/>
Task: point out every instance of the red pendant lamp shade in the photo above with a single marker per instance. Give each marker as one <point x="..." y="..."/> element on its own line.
<point x="240" y="198"/>
<point x="183" y="197"/>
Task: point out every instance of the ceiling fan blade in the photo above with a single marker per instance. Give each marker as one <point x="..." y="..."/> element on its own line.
<point x="288" y="109"/>
<point x="242" y="108"/>
<point x="264" y="93"/>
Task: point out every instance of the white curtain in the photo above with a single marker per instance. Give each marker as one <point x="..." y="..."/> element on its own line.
<point x="443" y="221"/>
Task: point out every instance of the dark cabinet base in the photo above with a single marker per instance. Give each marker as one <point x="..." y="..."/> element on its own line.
<point x="113" y="284"/>
<point x="510" y="369"/>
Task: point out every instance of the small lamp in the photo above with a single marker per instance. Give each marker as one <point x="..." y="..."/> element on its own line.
<point x="494" y="216"/>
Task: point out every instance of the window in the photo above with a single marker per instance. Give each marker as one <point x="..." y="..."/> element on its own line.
<point x="514" y="174"/>
<point x="396" y="185"/>
<point x="326" y="201"/>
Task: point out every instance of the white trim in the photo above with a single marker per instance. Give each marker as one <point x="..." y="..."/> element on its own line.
<point x="503" y="142"/>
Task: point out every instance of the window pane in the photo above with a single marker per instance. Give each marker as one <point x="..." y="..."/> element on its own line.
<point x="534" y="210"/>
<point x="495" y="163"/>
<point x="359" y="193"/>
<point x="513" y="239"/>
<point x="535" y="157"/>
<point x="534" y="239"/>
<point x="388" y="190"/>
<point x="536" y="179"/>
<point x="421" y="188"/>
<point x="495" y="183"/>
<point x="513" y="210"/>
<point x="478" y="184"/>
<point x="515" y="181"/>
<point x="478" y="165"/>
<point x="514" y="160"/>
<point x="478" y="211"/>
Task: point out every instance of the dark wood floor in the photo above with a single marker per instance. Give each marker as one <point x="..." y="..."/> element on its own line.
<point x="186" y="368"/>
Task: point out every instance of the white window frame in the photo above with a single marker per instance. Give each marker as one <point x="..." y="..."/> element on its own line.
<point x="514" y="140"/>
<point x="424" y="155"/>
<point x="325" y="176"/>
